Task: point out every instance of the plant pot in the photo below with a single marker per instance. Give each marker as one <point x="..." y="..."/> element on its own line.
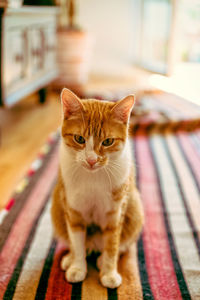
<point x="14" y="3"/>
<point x="74" y="53"/>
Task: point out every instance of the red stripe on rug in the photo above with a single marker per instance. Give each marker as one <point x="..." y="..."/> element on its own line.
<point x="10" y="204"/>
<point x="162" y="277"/>
<point x="191" y="154"/>
<point x="23" y="224"/>
<point x="58" y="287"/>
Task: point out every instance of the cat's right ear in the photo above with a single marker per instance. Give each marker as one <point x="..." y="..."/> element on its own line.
<point x="70" y="103"/>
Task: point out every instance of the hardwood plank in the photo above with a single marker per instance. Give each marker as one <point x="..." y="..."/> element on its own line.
<point x="24" y="129"/>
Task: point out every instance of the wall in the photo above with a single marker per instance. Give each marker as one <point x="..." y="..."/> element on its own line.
<point x="111" y="23"/>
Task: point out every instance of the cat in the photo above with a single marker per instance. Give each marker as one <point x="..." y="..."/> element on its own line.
<point x="96" y="205"/>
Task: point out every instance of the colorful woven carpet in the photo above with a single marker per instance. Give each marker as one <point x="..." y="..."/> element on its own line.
<point x="158" y="111"/>
<point x="166" y="264"/>
<point x="161" y="113"/>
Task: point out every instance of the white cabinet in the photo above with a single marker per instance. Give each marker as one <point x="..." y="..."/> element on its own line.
<point x="13" y="57"/>
<point x="28" y="51"/>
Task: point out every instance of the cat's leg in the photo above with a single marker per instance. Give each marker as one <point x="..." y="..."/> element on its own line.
<point x="77" y="269"/>
<point x="133" y="221"/>
<point x="57" y="213"/>
<point x="99" y="261"/>
<point x="108" y="260"/>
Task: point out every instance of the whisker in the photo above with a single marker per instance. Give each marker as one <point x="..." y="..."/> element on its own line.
<point x="73" y="174"/>
<point x="116" y="168"/>
<point x="108" y="177"/>
<point x="113" y="173"/>
<point x="116" y="165"/>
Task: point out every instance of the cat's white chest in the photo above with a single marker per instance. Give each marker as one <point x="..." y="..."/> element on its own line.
<point x="91" y="196"/>
<point x="90" y="193"/>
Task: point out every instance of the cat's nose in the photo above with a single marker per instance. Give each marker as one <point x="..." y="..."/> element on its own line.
<point x="91" y="161"/>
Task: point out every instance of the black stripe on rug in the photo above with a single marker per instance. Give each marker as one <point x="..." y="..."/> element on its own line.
<point x="112" y="294"/>
<point x="18" y="268"/>
<point x="146" y="288"/>
<point x="147" y="293"/>
<point x="43" y="284"/>
<point x="188" y="162"/>
<point x="76" y="291"/>
<point x="187" y="211"/>
<point x="177" y="266"/>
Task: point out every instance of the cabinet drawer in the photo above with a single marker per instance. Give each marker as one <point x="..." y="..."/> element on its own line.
<point x="15" y="56"/>
<point x="50" y="46"/>
<point x="37" y="44"/>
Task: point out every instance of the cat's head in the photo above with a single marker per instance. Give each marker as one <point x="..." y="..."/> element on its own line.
<point x="95" y="132"/>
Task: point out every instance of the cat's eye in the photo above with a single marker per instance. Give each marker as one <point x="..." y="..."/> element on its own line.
<point x="108" y="142"/>
<point x="79" y="139"/>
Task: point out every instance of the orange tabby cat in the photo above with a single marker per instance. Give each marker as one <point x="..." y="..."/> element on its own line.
<point x="96" y="205"/>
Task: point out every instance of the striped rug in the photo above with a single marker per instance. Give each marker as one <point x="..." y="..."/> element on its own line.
<point x="166" y="263"/>
<point x="156" y="111"/>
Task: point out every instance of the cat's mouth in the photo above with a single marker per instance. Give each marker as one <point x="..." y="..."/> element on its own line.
<point x="91" y="168"/>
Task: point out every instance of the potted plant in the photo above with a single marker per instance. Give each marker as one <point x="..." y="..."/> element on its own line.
<point x="74" y="49"/>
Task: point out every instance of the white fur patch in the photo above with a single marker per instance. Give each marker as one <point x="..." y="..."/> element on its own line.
<point x="89" y="149"/>
<point x="90" y="192"/>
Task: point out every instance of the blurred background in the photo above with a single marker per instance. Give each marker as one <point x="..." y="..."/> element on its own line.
<point x="159" y="36"/>
<point x="89" y="41"/>
<point x="104" y="49"/>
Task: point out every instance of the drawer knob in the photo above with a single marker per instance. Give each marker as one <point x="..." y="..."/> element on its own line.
<point x="19" y="58"/>
<point x="36" y="52"/>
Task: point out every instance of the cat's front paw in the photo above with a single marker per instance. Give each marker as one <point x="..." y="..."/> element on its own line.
<point x="75" y="274"/>
<point x="66" y="261"/>
<point x="111" y="280"/>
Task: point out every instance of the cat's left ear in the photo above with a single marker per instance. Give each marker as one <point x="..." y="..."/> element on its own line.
<point x="122" y="108"/>
<point x="70" y="103"/>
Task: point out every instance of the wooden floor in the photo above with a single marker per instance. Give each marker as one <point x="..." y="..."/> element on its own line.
<point x="24" y="128"/>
